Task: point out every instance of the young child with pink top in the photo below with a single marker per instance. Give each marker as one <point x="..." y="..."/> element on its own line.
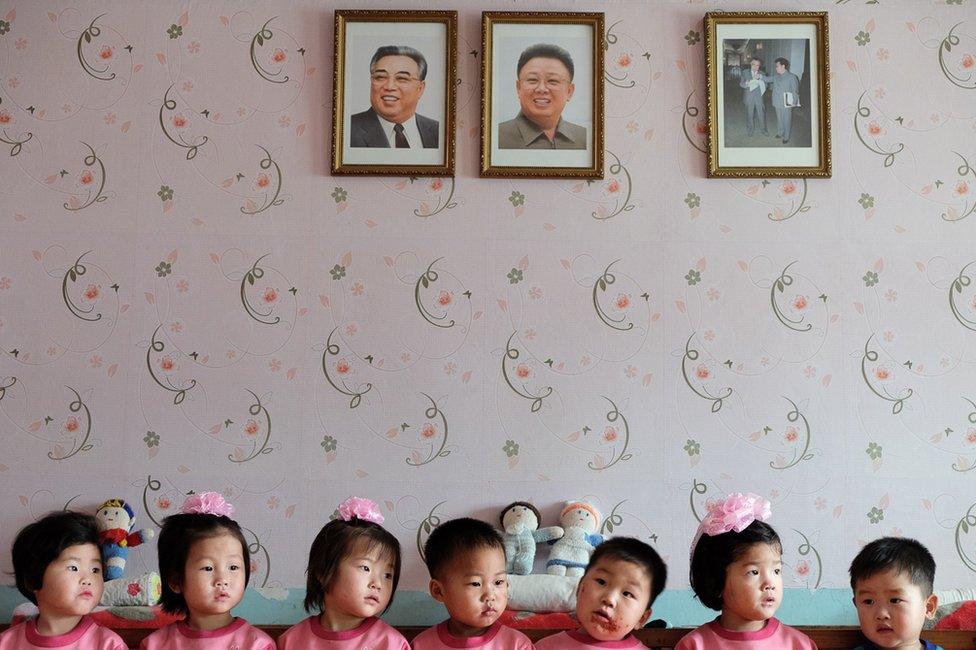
<point x="353" y="570"/>
<point x="614" y="597"/>
<point x="466" y="561"/>
<point x="204" y="565"/>
<point x="736" y="568"/>
<point x="58" y="566"/>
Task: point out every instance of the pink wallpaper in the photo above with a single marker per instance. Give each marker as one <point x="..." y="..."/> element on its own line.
<point x="189" y="301"/>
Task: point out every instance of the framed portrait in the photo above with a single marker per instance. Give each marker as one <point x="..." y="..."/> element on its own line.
<point x="542" y="94"/>
<point x="768" y="94"/>
<point x="393" y="93"/>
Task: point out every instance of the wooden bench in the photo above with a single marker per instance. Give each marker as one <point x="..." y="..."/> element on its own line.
<point x="826" y="638"/>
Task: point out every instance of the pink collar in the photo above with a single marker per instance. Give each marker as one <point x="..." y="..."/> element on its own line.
<point x="190" y="633"/>
<point x="452" y="641"/>
<point x="627" y="642"/>
<point x="768" y="630"/>
<point x="341" y="635"/>
<point x="42" y="641"/>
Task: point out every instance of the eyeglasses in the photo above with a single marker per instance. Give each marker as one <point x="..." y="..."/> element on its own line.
<point x="552" y="83"/>
<point x="381" y="78"/>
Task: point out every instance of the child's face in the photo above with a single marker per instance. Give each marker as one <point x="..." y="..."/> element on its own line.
<point x="474" y="588"/>
<point x="753" y="587"/>
<point x="613" y="598"/>
<point x="363" y="583"/>
<point x="891" y="609"/>
<point x="72" y="584"/>
<point x="213" y="577"/>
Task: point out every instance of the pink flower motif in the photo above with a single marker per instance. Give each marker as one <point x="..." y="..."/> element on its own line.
<point x="167" y="364"/>
<point x="535" y="293"/>
<point x="882" y="373"/>
<point x="278" y="56"/>
<point x="632" y="127"/>
<point x="263" y="180"/>
<point x="888" y="336"/>
<point x="428" y="431"/>
<point x="874" y="128"/>
<point x="522" y="371"/>
<point x="106" y="52"/>
<point x="5" y="117"/>
<point x="810" y="372"/>
<point x="879" y="93"/>
<point x="971" y="436"/>
<point x="622" y="302"/>
<point x="436" y="184"/>
<point x="961" y="188"/>
<point x="273" y="503"/>
<point x="95" y="361"/>
<point x="735" y="512"/>
<point x="187" y="86"/>
<point x="179" y="121"/>
<point x="355" y="507"/>
<point x="450" y="368"/>
<point x="251" y="428"/>
<point x="764" y="361"/>
<point x="176" y="327"/>
<point x="891" y="295"/>
<point x="21" y="43"/>
<point x="529" y="334"/>
<point x="444" y="298"/>
<point x="967" y="62"/>
<point x="702" y="371"/>
<point x="405" y="357"/>
<point x="182" y="286"/>
<point x="241" y="111"/>
<point x="207" y="503"/>
<point x="713" y="294"/>
<point x="610" y="434"/>
<point x="358" y="289"/>
<point x="802" y="568"/>
<point x="613" y="186"/>
<point x="193" y="47"/>
<point x="133" y="588"/>
<point x="231" y="354"/>
<point x="624" y="60"/>
<point x="163" y="503"/>
<point x="791" y="434"/>
<point x="342" y="367"/>
<point x="800" y="303"/>
<point x="351" y="329"/>
<point x="284" y="121"/>
<point x="13" y="82"/>
<point x="86" y="177"/>
<point x="585" y="361"/>
<point x="71" y="424"/>
<point x="109" y="118"/>
<point x="4" y="283"/>
<point x="788" y="187"/>
<point x="630" y="371"/>
<point x="274" y="365"/>
<point x="820" y="503"/>
<point x="270" y="295"/>
<point x="883" y="54"/>
<point x="51" y="351"/>
<point x="709" y="335"/>
<point x="701" y="128"/>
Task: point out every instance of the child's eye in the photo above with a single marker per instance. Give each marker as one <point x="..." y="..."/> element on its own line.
<point x="895" y="601"/>
<point x="96" y="570"/>
<point x="868" y="601"/>
<point x="600" y="581"/>
<point x="628" y="594"/>
<point x="235" y="567"/>
<point x="754" y="572"/>
<point x="72" y="567"/>
<point x="207" y="568"/>
<point x="499" y="583"/>
<point x="388" y="576"/>
<point x="474" y="584"/>
<point x="777" y="571"/>
<point x="364" y="567"/>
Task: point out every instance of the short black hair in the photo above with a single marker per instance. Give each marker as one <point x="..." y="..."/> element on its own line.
<point x="755" y="58"/>
<point x="40" y="543"/>
<point x="546" y="51"/>
<point x="177" y="536"/>
<point x="337" y="539"/>
<point x="631" y="549"/>
<point x="401" y="50"/>
<point x="784" y="62"/>
<point x="899" y="554"/>
<point x="714" y="553"/>
<point x="454" y="537"/>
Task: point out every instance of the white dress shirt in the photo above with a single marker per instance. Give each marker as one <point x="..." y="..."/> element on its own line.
<point x="410" y="130"/>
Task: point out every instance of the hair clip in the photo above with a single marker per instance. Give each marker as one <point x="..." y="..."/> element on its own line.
<point x="357" y="508"/>
<point x="735" y="512"/>
<point x="207" y="503"/>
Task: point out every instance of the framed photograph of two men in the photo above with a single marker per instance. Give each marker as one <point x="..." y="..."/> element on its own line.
<point x="768" y="94"/>
<point x="542" y="94"/>
<point x="393" y="94"/>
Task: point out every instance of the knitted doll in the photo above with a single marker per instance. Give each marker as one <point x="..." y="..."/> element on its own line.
<point x="521" y="532"/>
<point x="571" y="552"/>
<point x="115" y="520"/>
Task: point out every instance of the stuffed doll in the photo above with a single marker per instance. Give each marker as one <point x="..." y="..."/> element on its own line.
<point x="520" y="526"/>
<point x="115" y="520"/>
<point x="571" y="552"/>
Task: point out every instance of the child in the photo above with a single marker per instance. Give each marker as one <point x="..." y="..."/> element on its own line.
<point x="204" y="566"/>
<point x="466" y="561"/>
<point x="353" y="570"/>
<point x="736" y="564"/>
<point x="58" y="566"/>
<point x="614" y="596"/>
<point x="892" y="582"/>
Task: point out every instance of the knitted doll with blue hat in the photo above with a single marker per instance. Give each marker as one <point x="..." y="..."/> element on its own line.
<point x="115" y="520"/>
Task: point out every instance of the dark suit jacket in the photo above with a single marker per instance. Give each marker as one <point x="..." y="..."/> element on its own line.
<point x="367" y="131"/>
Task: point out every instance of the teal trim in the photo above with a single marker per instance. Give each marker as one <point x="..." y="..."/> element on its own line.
<point x="678" y="607"/>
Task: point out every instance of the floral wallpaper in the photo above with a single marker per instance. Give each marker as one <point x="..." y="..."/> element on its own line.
<point x="189" y="301"/>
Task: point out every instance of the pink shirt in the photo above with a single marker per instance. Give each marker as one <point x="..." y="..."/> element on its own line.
<point x="498" y="637"/>
<point x="775" y="635"/>
<point x="580" y="640"/>
<point x="372" y="634"/>
<point x="87" y="635"/>
<point x="239" y="634"/>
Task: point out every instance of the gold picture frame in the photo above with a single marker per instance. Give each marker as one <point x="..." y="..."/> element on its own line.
<point x="759" y="64"/>
<point x="559" y="133"/>
<point x="399" y="122"/>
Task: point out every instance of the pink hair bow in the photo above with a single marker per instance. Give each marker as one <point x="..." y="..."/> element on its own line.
<point x="357" y="508"/>
<point x="207" y="503"/>
<point x="734" y="512"/>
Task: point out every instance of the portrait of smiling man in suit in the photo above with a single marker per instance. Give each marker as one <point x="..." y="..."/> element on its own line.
<point x="397" y="75"/>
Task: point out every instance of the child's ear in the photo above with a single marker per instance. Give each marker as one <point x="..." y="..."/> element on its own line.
<point x="176" y="587"/>
<point x="436" y="590"/>
<point x="643" y="618"/>
<point x="931" y="604"/>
